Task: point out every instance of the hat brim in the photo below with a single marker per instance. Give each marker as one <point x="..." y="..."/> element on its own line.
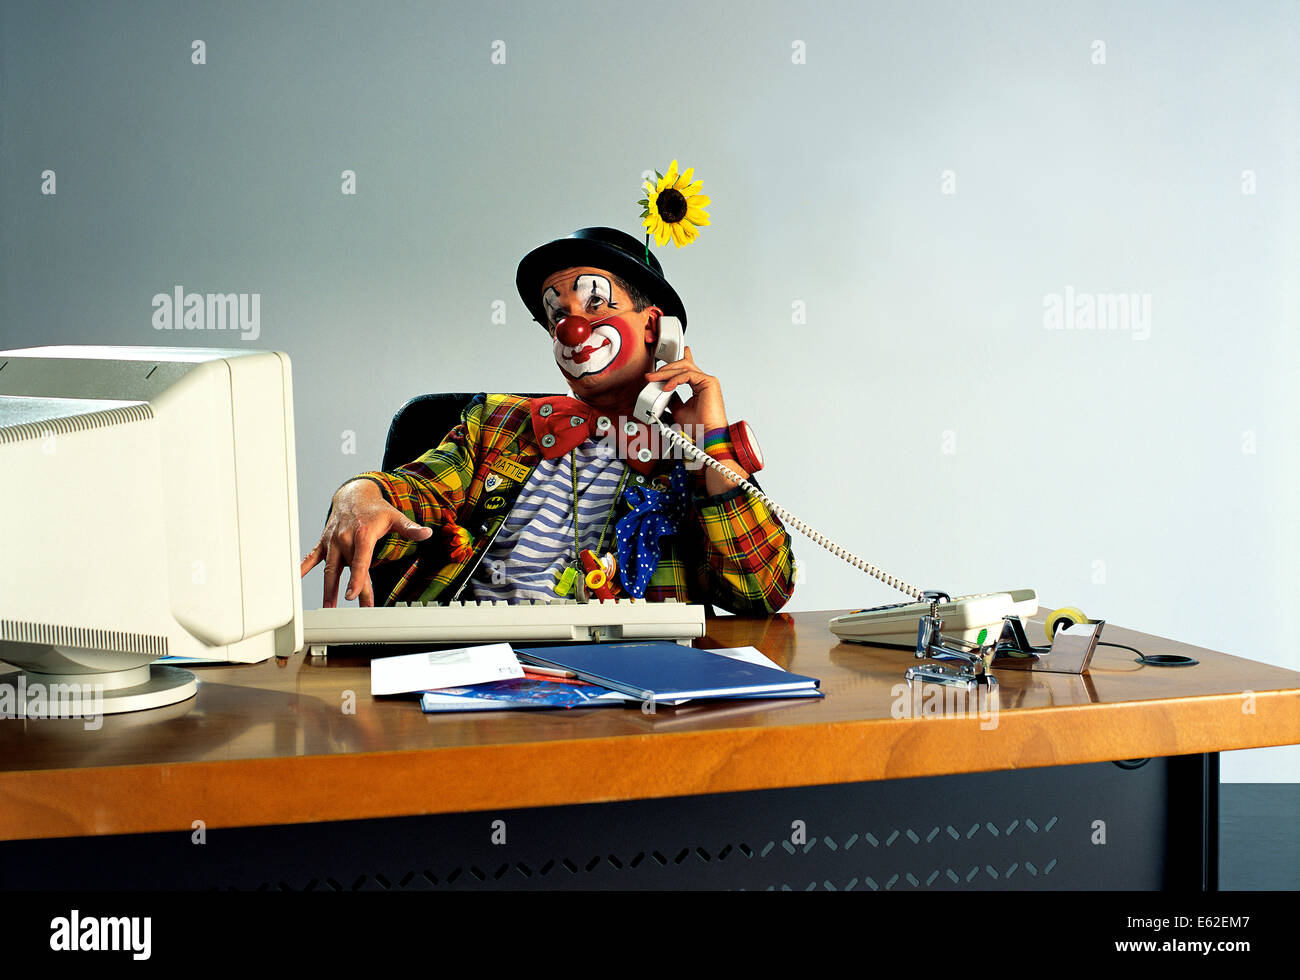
<point x="542" y="262"/>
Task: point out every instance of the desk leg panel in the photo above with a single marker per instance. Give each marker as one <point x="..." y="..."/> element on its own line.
<point x="1099" y="826"/>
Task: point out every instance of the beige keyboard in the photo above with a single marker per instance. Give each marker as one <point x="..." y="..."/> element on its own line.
<point x="496" y="622"/>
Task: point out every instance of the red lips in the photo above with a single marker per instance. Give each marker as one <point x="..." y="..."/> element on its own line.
<point x="583" y="354"/>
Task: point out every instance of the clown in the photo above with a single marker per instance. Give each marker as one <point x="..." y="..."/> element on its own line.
<point x="532" y="498"/>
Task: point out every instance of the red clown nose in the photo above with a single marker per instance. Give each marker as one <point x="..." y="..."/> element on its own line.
<point x="572" y="330"/>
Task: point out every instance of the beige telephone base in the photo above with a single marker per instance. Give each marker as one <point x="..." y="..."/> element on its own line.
<point x="964" y="618"/>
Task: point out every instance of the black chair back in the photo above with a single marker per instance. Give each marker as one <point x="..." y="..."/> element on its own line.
<point x="421" y="424"/>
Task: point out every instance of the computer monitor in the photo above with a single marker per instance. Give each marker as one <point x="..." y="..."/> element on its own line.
<point x="149" y="506"/>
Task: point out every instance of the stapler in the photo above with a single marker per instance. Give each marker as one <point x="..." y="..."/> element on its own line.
<point x="1070" y="652"/>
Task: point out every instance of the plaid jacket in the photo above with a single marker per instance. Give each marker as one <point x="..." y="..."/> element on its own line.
<point x="731" y="551"/>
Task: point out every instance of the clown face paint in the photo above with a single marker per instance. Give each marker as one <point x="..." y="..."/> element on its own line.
<point x="612" y="342"/>
<point x="591" y="292"/>
<point x="599" y="351"/>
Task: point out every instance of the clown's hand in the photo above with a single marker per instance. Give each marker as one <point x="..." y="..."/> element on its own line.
<point x="705" y="410"/>
<point x="359" y="517"/>
<point x="702" y="414"/>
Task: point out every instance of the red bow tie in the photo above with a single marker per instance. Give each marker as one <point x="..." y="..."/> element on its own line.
<point x="562" y="423"/>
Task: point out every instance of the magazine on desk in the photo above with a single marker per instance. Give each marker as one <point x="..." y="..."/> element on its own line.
<point x="529" y="691"/>
<point x="535" y="691"/>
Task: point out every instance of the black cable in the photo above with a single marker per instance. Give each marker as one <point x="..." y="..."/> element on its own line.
<point x="1122" y="646"/>
<point x="1155" y="659"/>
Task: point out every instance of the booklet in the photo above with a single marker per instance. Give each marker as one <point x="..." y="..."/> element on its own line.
<point x="534" y="690"/>
<point x="525" y="692"/>
<point x="660" y="671"/>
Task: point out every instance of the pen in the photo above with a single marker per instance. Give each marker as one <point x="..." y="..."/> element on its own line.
<point x="549" y="671"/>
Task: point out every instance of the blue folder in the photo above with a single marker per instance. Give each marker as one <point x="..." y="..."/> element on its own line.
<point x="663" y="671"/>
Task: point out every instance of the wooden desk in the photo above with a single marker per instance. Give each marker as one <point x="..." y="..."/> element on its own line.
<point x="301" y="741"/>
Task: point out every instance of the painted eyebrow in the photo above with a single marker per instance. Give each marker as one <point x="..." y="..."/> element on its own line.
<point x="593" y="276"/>
<point x="610" y="282"/>
<point x="551" y="293"/>
<point x="548" y="298"/>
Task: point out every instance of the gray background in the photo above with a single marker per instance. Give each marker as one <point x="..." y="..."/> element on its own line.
<point x="922" y="415"/>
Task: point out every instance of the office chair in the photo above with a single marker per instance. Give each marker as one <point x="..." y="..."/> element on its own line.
<point x="419" y="425"/>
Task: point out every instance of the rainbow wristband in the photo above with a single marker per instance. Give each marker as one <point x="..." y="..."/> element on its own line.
<point x="717" y="443"/>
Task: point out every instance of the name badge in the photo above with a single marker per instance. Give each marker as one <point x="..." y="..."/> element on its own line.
<point x="510" y="469"/>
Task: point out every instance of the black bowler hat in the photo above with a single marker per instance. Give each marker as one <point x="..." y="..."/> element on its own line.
<point x="600" y="248"/>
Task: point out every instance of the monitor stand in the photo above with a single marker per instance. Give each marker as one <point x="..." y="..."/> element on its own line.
<point x="38" y="695"/>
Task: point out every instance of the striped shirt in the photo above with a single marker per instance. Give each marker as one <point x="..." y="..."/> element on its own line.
<point x="535" y="544"/>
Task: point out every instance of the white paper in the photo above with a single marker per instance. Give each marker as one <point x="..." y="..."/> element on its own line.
<point x="443" y="668"/>
<point x="749" y="655"/>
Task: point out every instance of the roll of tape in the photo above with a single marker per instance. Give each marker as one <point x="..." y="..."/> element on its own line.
<point x="1065" y="616"/>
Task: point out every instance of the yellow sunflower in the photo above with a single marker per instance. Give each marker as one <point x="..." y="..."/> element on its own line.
<point x="674" y="207"/>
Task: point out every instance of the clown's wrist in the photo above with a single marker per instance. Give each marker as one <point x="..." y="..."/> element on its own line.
<point x="717" y="443"/>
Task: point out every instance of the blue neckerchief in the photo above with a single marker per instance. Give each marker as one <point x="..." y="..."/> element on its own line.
<point x="654" y="514"/>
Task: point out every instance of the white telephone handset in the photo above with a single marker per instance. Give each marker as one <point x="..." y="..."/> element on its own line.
<point x="652" y="401"/>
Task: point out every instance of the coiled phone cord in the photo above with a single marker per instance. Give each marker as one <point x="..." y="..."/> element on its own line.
<point x="839" y="552"/>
